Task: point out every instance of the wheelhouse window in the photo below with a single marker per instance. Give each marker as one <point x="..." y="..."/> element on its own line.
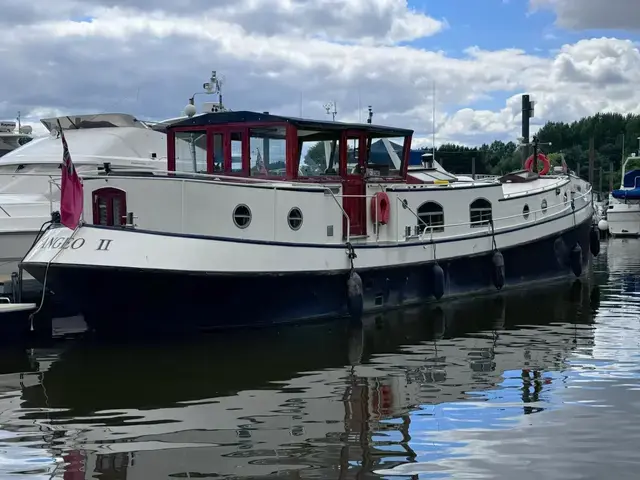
<point x="191" y="151"/>
<point x="109" y="206"/>
<point x="480" y="212"/>
<point x="353" y="156"/>
<point x="431" y="218"/>
<point x="268" y="152"/>
<point x="319" y="153"/>
<point x="236" y="152"/>
<point x="385" y="156"/>
<point x="218" y="152"/>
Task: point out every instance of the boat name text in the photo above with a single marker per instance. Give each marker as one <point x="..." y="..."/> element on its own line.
<point x="63" y="243"/>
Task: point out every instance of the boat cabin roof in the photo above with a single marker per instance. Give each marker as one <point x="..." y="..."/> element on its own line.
<point x="222" y="118"/>
<point x="100" y="120"/>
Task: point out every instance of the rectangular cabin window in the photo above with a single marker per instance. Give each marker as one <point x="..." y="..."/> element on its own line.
<point x="319" y="153"/>
<point x="385" y="156"/>
<point x="191" y="152"/>
<point x="236" y="152"/>
<point x="218" y="153"/>
<point x="268" y="151"/>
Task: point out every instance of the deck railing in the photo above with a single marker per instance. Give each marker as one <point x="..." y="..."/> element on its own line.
<point x="533" y="216"/>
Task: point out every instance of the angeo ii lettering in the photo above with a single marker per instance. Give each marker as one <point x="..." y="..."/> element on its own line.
<point x="61" y="243"/>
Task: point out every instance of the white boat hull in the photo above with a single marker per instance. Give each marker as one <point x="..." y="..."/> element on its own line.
<point x="624" y="219"/>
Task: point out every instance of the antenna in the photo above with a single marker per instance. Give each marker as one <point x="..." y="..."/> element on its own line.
<point x="18" y="119"/>
<point x="213" y="86"/>
<point x="328" y="106"/>
<point x="370" y="114"/>
<point x="433" y="123"/>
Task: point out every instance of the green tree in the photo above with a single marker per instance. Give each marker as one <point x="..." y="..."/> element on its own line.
<point x="615" y="137"/>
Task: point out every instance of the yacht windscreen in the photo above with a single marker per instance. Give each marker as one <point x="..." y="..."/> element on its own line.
<point x="102" y="120"/>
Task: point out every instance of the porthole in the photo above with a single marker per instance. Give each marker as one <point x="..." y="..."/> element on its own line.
<point x="294" y="218"/>
<point x="525" y="211"/>
<point x="543" y="205"/>
<point x="242" y="216"/>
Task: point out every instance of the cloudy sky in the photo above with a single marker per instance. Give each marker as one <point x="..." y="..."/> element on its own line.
<point x="147" y="57"/>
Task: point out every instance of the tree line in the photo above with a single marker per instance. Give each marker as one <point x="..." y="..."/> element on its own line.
<point x="615" y="137"/>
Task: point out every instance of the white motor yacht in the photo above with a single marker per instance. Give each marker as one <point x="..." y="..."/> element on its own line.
<point x="623" y="210"/>
<point x="13" y="135"/>
<point x="30" y="174"/>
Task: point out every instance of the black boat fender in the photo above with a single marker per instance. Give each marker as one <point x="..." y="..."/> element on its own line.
<point x="498" y="269"/>
<point x="594" y="241"/>
<point x="575" y="260"/>
<point x="438" y="281"/>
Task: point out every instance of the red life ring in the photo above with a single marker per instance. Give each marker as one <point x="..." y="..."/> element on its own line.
<point x="543" y="158"/>
<point x="380" y="208"/>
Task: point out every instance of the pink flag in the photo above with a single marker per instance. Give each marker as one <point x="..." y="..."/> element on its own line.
<point x="71" y="197"/>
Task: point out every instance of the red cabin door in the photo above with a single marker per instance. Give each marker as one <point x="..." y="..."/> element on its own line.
<point x="109" y="207"/>
<point x="355" y="201"/>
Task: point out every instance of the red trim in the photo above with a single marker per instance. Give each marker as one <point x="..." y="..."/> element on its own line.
<point x="108" y="194"/>
<point x="292" y="156"/>
<point x="226" y="151"/>
<point x="246" y="150"/>
<point x="228" y="126"/>
<point x="171" y="151"/>
<point x="210" y="151"/>
<point x="354" y="183"/>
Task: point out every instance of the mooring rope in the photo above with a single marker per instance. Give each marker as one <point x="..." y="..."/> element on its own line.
<point x="44" y="280"/>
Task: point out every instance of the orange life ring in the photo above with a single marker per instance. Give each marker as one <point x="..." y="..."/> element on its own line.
<point x="380" y="208"/>
<point x="543" y="158"/>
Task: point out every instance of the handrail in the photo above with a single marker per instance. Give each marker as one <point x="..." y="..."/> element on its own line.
<point x="210" y="177"/>
<point x="531" y="191"/>
<point x="18" y="174"/>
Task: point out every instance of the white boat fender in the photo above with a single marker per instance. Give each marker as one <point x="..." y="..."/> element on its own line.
<point x="594" y="242"/>
<point x="498" y="269"/>
<point x="438" y="281"/>
<point x="355" y="301"/>
<point x="603" y="225"/>
<point x="575" y="260"/>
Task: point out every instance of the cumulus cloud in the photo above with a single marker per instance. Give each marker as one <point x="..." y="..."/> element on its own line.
<point x="148" y="57"/>
<point x="585" y="14"/>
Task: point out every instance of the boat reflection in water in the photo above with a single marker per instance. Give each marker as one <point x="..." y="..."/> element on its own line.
<point x="322" y="401"/>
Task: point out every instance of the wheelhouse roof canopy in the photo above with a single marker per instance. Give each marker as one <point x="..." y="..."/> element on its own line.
<point x="223" y="118"/>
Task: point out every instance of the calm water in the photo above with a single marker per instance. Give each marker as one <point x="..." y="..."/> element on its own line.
<point x="539" y="384"/>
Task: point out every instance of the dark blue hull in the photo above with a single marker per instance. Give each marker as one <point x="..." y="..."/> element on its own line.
<point x="128" y="299"/>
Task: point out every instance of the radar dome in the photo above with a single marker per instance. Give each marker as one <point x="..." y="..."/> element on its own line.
<point x="190" y="110"/>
